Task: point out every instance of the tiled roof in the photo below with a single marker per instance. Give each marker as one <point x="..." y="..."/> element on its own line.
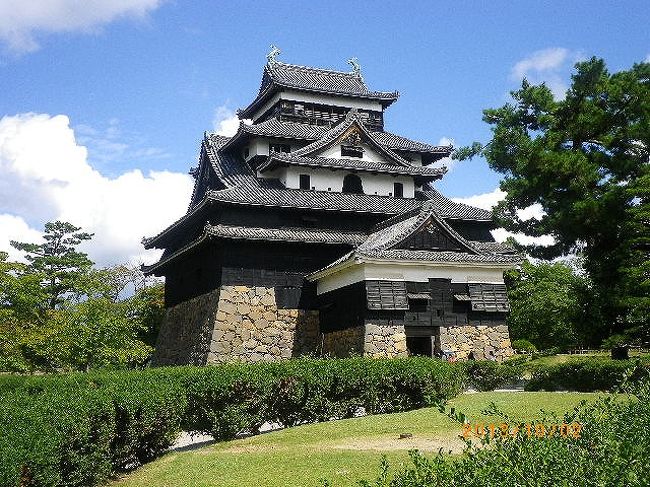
<point x="495" y="247"/>
<point x="441" y="256"/>
<point x="287" y="234"/>
<point x="318" y="200"/>
<point x="309" y="132"/>
<point x="276" y="159"/>
<point x="352" y="118"/>
<point x="397" y="142"/>
<point x="281" y="75"/>
<point x="292" y="130"/>
<point x="243" y="187"/>
<point x="458" y="211"/>
<point x="395" y="230"/>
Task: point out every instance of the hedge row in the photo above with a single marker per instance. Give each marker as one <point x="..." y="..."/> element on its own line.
<point x="586" y="375"/>
<point x="80" y="429"/>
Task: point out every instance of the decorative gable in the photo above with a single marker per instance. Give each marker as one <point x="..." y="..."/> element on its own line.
<point x="430" y="236"/>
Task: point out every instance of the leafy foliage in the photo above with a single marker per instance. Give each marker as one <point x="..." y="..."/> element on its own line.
<point x="58" y="312"/>
<point x="61" y="267"/>
<point x="584" y="159"/>
<point x="610" y="449"/>
<point x="548" y="306"/>
<point x="80" y="429"/>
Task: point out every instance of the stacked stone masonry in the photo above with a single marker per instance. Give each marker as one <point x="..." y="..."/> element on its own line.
<point x="186" y="331"/>
<point x="249" y="327"/>
<point x="369" y="340"/>
<point x="244" y="323"/>
<point x="483" y="342"/>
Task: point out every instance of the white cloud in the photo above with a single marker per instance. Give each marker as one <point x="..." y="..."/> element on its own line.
<point x="546" y="65"/>
<point x="225" y="122"/>
<point x="13" y="227"/>
<point x="647" y="58"/>
<point x="45" y="175"/>
<point x="23" y="21"/>
<point x="487" y="201"/>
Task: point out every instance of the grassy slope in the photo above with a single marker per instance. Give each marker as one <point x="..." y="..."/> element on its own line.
<point x="342" y="451"/>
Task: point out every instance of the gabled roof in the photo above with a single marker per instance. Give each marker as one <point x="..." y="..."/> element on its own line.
<point x="391" y="233"/>
<point x="280" y="159"/>
<point x="278" y="75"/>
<point x="352" y="122"/>
<point x="309" y="132"/>
<point x="384" y="245"/>
<point x="244" y="188"/>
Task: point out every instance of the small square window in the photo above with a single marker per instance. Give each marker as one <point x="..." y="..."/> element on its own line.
<point x="305" y="181"/>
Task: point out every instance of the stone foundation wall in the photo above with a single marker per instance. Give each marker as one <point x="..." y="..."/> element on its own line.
<point x="384" y="341"/>
<point x="369" y="340"/>
<point x="248" y="326"/>
<point x="343" y="343"/>
<point x="186" y="331"/>
<point x="234" y="323"/>
<point x="479" y="340"/>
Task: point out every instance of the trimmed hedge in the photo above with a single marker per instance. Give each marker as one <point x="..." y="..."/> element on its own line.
<point x="587" y="375"/>
<point x="80" y="429"/>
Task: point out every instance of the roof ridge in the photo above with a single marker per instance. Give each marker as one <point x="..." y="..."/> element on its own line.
<point x="350" y="74"/>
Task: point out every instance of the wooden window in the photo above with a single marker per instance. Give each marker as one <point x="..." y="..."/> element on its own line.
<point x="386" y="295"/>
<point x="398" y="190"/>
<point x="305" y="181"/>
<point x="351" y="151"/>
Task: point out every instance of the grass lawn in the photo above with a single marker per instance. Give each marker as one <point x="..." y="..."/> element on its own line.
<point x="341" y="451"/>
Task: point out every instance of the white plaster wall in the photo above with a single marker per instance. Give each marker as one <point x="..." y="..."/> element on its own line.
<point x="260" y="146"/>
<point x="406" y="271"/>
<point x="328" y="180"/>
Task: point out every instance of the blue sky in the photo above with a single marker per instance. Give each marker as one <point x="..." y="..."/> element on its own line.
<point x="140" y="80"/>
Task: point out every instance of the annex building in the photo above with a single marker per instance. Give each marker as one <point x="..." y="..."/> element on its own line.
<point x="315" y="231"/>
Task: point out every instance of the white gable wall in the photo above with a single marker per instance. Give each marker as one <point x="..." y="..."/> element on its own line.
<point x="334" y="152"/>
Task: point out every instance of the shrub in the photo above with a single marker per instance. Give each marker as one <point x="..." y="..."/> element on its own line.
<point x="611" y="449"/>
<point x="80" y="429"/>
<point x="523" y="345"/>
<point x="487" y="375"/>
<point x="586" y="375"/>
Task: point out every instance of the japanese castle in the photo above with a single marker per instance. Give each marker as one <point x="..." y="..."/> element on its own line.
<point x="315" y="231"/>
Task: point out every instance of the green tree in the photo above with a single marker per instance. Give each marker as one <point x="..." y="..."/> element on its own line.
<point x="547" y="305"/>
<point x="60" y="266"/>
<point x="584" y="159"/>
